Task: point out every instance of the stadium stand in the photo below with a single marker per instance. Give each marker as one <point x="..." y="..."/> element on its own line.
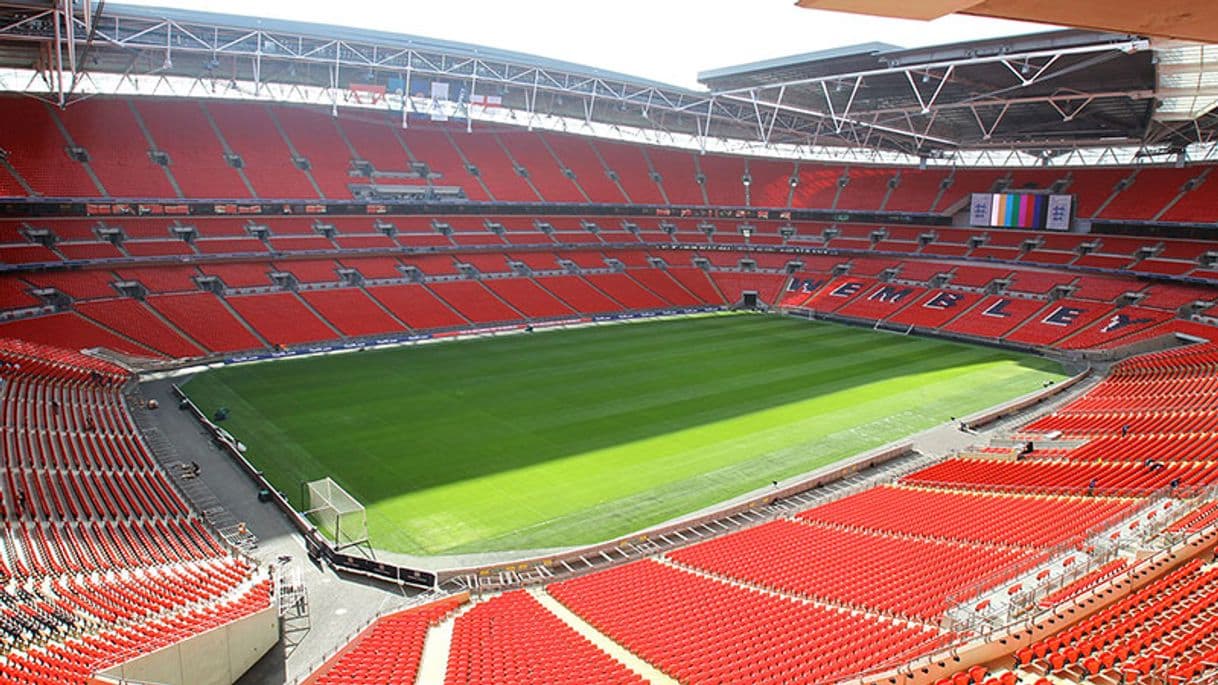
<point x="37" y="150"/>
<point x="528" y="298"/>
<point x="965" y="517"/>
<point x="475" y="302"/>
<point x="689" y="626"/>
<point x="103" y="558"/>
<point x="625" y="291"/>
<point x="108" y="130"/>
<point x="513" y="638"/>
<point x="388" y="651"/>
<point x="281" y="318"/>
<point x="417" y="307"/>
<point x="207" y="319"/>
<point x="134" y="320"/>
<point x="80" y="518"/>
<point x="352" y="312"/>
<point x="1162" y="627"/>
<point x="852" y="569"/>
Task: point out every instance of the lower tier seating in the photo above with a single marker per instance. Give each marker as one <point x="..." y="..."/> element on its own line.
<point x="514" y="639"/>
<point x="205" y="318"/>
<point x="281" y="318"/>
<point x="133" y="319"/>
<point x="702" y="631"/>
<point x="352" y="312"/>
<point x="388" y="651"/>
<point x="1164" y="627"/>
<point x="528" y="298"/>
<point x="911" y="578"/>
<point x="579" y="295"/>
<point x="475" y="302"/>
<point x="417" y="307"/>
<point x="1070" y="477"/>
<point x="101" y="560"/>
<point x="1033" y="521"/>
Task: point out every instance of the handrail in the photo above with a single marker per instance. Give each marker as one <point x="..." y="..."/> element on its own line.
<point x="966" y="636"/>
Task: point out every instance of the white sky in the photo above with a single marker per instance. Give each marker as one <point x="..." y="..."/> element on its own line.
<point x="663" y="40"/>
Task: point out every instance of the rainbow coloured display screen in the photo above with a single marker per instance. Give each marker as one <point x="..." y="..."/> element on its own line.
<point x="1022" y="210"/>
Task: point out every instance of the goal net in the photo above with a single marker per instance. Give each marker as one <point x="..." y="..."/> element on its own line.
<point x="339" y="516"/>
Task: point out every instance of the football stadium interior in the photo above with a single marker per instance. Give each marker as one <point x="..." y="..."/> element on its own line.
<point x="337" y="356"/>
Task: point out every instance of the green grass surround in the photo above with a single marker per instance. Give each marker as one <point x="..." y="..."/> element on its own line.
<point x="578" y="436"/>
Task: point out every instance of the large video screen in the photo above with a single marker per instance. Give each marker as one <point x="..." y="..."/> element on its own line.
<point x="1022" y="210"/>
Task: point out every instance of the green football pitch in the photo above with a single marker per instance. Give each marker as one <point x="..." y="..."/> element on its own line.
<point x="577" y="436"/>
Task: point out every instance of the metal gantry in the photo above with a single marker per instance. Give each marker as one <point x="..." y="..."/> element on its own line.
<point x="1022" y="100"/>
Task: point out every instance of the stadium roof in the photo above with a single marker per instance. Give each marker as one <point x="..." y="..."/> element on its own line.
<point x="1045" y="95"/>
<point x="1185" y="19"/>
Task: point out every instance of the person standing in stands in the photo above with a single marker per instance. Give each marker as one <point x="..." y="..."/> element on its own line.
<point x="1095" y="482"/>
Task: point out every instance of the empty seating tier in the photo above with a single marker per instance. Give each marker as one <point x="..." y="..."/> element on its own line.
<point x="912" y="578"/>
<point x="514" y="639"/>
<point x="388" y="651"/>
<point x="967" y="517"/>
<point x="700" y="630"/>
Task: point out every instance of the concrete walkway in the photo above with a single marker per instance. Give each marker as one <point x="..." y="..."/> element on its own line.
<point x="613" y="649"/>
<point x="433" y="665"/>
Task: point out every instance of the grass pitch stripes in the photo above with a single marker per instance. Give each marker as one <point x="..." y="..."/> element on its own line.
<point x="572" y="437"/>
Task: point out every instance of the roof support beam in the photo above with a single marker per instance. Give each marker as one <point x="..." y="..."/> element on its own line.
<point x="903" y="133"/>
<point x="1129" y="46"/>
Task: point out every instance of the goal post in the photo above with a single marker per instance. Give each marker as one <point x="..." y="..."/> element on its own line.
<point x="337" y="515"/>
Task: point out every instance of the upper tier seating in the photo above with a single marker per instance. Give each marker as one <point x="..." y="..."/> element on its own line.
<point x="306" y="152"/>
<point x="266" y="159"/>
<point x="545" y="174"/>
<point x="580" y="156"/>
<point x="38" y="151"/>
<point x="315" y="137"/>
<point x="118" y="151"/>
<point x="1149" y="194"/>
<point x="197" y="160"/>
